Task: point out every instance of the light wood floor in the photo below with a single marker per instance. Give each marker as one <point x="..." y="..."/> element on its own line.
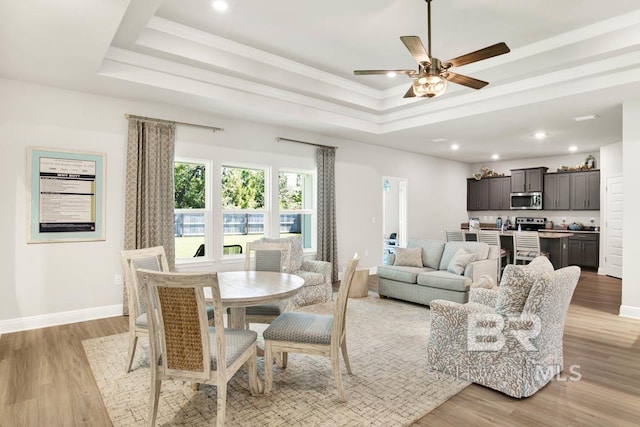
<point x="45" y="379"/>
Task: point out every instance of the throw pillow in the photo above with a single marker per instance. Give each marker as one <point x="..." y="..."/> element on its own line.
<point x="516" y="283"/>
<point x="460" y="261"/>
<point x="408" y="257"/>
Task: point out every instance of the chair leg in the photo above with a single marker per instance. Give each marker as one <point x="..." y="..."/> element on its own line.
<point x="252" y="369"/>
<point x="335" y="366"/>
<point x="154" y="399"/>
<point x="222" y="404"/>
<point x="345" y="356"/>
<point x="133" y="342"/>
<point x="268" y="367"/>
<point x="284" y="359"/>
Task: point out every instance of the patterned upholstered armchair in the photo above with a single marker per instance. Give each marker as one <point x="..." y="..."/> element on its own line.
<point x="508" y="339"/>
<point x="317" y="286"/>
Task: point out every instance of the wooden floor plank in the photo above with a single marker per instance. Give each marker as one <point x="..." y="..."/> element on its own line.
<point x="46" y="378"/>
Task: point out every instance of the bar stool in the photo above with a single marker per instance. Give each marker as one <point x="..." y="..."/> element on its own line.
<point x="493" y="238"/>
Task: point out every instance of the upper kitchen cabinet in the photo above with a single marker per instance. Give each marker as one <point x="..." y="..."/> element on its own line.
<point x="477" y="194"/>
<point x="499" y="193"/>
<point x="527" y="180"/>
<point x="557" y="192"/>
<point x="585" y="190"/>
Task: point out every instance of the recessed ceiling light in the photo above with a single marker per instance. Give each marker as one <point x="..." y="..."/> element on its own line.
<point x="540" y="135"/>
<point x="439" y="140"/>
<point x="583" y="118"/>
<point x="220" y="5"/>
<point x="454" y="146"/>
<point x="495" y="156"/>
<point x="573" y="148"/>
<point x="391" y="74"/>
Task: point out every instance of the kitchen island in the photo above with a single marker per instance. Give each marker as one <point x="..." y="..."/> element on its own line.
<point x="556" y="244"/>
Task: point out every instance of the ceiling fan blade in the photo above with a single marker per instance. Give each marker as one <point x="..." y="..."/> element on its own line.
<point x="479" y="55"/>
<point x="415" y="46"/>
<point x="370" y="72"/>
<point x="410" y="93"/>
<point x="466" y="80"/>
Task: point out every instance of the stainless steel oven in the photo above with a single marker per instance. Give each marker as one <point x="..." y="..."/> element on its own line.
<point x="531" y="200"/>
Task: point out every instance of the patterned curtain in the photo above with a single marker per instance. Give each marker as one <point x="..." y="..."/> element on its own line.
<point x="149" y="194"/>
<point x="327" y="240"/>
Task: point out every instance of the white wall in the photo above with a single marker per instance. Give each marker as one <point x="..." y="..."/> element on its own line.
<point x="46" y="284"/>
<point x="631" y="235"/>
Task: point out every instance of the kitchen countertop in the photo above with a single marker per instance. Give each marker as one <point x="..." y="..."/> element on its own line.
<point x="544" y="234"/>
<point x="553" y="230"/>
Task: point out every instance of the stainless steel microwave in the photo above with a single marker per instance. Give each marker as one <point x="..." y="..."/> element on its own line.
<point x="531" y="200"/>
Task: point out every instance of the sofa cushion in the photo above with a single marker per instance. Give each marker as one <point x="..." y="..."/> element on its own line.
<point x="408" y="257"/>
<point x="480" y="249"/>
<point x="516" y="283"/>
<point x="297" y="253"/>
<point x="460" y="261"/>
<point x="444" y="280"/>
<point x="431" y="251"/>
<point x="401" y="274"/>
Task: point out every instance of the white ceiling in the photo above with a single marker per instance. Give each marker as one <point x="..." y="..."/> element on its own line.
<point x="291" y="63"/>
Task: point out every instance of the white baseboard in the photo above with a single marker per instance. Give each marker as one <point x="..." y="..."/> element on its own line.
<point x="628" y="311"/>
<point x="63" y="318"/>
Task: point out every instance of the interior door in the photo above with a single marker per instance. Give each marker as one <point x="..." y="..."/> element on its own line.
<point x="613" y="227"/>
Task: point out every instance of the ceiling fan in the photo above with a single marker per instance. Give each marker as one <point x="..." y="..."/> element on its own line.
<point x="432" y="75"/>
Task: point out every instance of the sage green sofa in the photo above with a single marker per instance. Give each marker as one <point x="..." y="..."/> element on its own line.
<point x="432" y="280"/>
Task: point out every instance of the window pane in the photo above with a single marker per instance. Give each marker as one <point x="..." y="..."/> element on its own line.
<point x="242" y="188"/>
<point x="290" y="187"/>
<point x="292" y="224"/>
<point x="189" y="182"/>
<point x="189" y="193"/>
<point x="189" y="232"/>
<point x="240" y="228"/>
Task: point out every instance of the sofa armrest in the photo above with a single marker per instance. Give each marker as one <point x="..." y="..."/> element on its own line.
<point x="316" y="266"/>
<point x="480" y="268"/>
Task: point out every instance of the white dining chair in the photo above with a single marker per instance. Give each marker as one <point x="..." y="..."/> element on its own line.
<point x="492" y="237"/>
<point x="454" y="236"/>
<point x="526" y="246"/>
<point x="267" y="256"/>
<point x="312" y="333"/>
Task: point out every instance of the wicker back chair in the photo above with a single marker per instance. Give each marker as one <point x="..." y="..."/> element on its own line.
<point x="184" y="346"/>
<point x="151" y="259"/>
<point x="311" y="333"/>
<point x="267" y="256"/>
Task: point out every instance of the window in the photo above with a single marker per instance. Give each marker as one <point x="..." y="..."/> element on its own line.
<point x="191" y="212"/>
<point x="296" y="202"/>
<point x="244" y="207"/>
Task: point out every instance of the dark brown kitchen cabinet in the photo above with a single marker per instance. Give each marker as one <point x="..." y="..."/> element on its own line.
<point x="585" y="190"/>
<point x="499" y="193"/>
<point x="527" y="180"/>
<point x="557" y="194"/>
<point x="584" y="250"/>
<point x="477" y="195"/>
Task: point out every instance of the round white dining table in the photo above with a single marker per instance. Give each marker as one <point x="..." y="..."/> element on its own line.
<point x="240" y="289"/>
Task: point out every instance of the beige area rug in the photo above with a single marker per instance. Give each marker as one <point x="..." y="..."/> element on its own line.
<point x="391" y="385"/>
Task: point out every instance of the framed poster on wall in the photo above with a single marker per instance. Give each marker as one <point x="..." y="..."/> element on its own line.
<point x="66" y="196"/>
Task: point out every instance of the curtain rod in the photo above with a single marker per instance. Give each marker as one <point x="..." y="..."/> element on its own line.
<point x="305" y="142"/>
<point x="131" y="116"/>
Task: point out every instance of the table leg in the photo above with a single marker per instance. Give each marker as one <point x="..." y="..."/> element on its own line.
<point x="237" y="318"/>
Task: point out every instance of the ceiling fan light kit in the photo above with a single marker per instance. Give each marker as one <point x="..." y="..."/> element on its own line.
<point x="432" y="76"/>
